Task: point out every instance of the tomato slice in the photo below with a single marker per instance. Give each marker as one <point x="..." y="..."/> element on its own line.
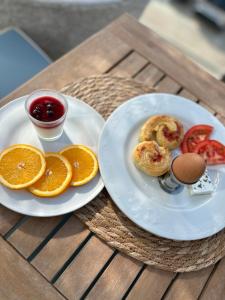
<point x="194" y="136"/>
<point x="212" y="151"/>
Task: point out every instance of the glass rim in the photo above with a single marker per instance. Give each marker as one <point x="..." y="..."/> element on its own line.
<point x="46" y="122"/>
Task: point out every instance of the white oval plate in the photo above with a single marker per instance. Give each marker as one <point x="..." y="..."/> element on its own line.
<point x="83" y="125"/>
<point x="180" y="216"/>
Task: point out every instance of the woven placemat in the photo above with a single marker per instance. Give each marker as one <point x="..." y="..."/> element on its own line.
<point x="105" y="93"/>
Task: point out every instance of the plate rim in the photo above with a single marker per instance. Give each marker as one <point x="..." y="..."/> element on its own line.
<point x="197" y="237"/>
<point x="97" y="189"/>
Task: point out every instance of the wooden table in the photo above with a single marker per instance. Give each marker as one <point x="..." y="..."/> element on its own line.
<point x="59" y="258"/>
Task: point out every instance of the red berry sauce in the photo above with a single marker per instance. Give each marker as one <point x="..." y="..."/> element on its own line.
<point x="172" y="136"/>
<point x="46" y="109"/>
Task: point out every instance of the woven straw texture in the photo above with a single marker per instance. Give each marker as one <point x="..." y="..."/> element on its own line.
<point x="104" y="93"/>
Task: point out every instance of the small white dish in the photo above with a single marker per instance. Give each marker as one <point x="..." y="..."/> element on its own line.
<point x="83" y="125"/>
<point x="174" y="216"/>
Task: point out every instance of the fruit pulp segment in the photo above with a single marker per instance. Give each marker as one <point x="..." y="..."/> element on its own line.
<point x="20" y="166"/>
<point x="55" y="174"/>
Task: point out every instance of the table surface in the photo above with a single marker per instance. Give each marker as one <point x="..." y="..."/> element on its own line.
<point x="59" y="258"/>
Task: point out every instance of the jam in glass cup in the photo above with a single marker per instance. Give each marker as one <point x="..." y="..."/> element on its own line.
<point x="47" y="111"/>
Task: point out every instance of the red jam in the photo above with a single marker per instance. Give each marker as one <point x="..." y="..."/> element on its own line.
<point x="157" y="157"/>
<point x="171" y="136"/>
<point x="46" y="109"/>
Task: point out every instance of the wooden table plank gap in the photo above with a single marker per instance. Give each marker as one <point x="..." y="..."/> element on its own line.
<point x="62" y="245"/>
<point x="189" y="285"/>
<point x="119" y="61"/>
<point x="207" y="107"/>
<point x="49" y="237"/>
<point x="134" y="281"/>
<point x="139" y="71"/>
<point x="152" y="64"/>
<point x="16" y="226"/>
<point x="8" y="219"/>
<point x="71" y="258"/>
<point x="99" y="275"/>
<point x="31" y="233"/>
<point x="150" y="75"/>
<point x="221" y="118"/>
<point x="58" y="291"/>
<point x="188" y="95"/>
<point x="130" y="66"/>
<point x="45" y="278"/>
<point x="159" y="80"/>
<point x="168" y="85"/>
<point x="149" y="281"/>
<point x="208" y="280"/>
<point x="169" y="286"/>
<point x="17" y="252"/>
<point x="42" y="275"/>
<point x="180" y="89"/>
<point x="116" y="279"/>
<point x="81" y="272"/>
<point x="20" y="258"/>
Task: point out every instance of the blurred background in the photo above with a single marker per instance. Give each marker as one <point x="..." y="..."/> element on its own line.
<point x="33" y="33"/>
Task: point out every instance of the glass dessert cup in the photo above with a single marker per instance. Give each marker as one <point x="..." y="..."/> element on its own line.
<point x="47" y="111"/>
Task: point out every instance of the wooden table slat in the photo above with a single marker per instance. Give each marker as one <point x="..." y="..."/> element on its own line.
<point x="8" y="219"/>
<point x="186" y="94"/>
<point x="188" y="286"/>
<point x="83" y="270"/>
<point x="169" y="59"/>
<point x="94" y="56"/>
<point x="215" y="289"/>
<point x="151" y="285"/>
<point x="19" y="280"/>
<point x="131" y="65"/>
<point x="150" y="75"/>
<point x="168" y="85"/>
<point x="60" y="248"/>
<point x="31" y="233"/>
<point x="207" y="107"/>
<point x="116" y="279"/>
<point x="221" y="118"/>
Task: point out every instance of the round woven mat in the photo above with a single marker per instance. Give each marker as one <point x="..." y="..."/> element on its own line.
<point x="105" y="93"/>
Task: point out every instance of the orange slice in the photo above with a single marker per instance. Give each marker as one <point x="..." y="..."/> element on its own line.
<point x="83" y="161"/>
<point x="21" y="166"/>
<point x="56" y="178"/>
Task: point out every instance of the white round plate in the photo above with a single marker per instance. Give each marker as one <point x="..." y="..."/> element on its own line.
<point x="178" y="216"/>
<point x="83" y="125"/>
